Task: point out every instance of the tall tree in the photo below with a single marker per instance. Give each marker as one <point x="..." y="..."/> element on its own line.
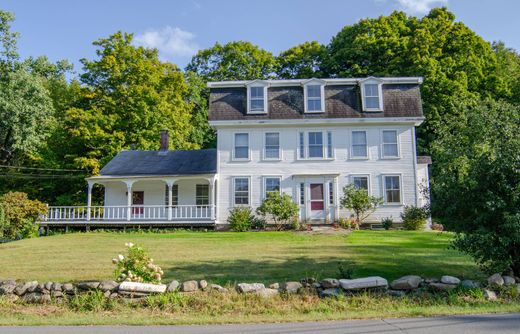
<point x="129" y="95"/>
<point x="302" y="61"/>
<point x="198" y="95"/>
<point x="508" y="68"/>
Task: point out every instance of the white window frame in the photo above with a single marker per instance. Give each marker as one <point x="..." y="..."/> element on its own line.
<point x="233" y="193"/>
<point x="352" y="176"/>
<point x="351" y="146"/>
<point x="306" y="145"/>
<point x="381" y="146"/>
<point x="401" y="191"/>
<point x="264" y="154"/>
<point x="234" y="158"/>
<point x="264" y="85"/>
<point x="264" y="184"/>
<point x="314" y="82"/>
<point x="372" y="81"/>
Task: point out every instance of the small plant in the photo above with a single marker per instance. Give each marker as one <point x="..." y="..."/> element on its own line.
<point x="437" y="227"/>
<point x="241" y="219"/>
<point x="348" y="224"/>
<point x="296" y="226"/>
<point x="345" y="270"/>
<point x="259" y="224"/>
<point x="170" y="300"/>
<point x="90" y="301"/>
<point x="359" y="201"/>
<point x="387" y="223"/>
<point x="136" y="266"/>
<point x="280" y="208"/>
<point x="414" y="218"/>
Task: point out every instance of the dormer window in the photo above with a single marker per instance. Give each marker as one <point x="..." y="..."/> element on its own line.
<point x="372" y="95"/>
<point x="257" y="98"/>
<point x="314" y="96"/>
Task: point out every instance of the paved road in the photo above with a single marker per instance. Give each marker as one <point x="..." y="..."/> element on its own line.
<point x="504" y="323"/>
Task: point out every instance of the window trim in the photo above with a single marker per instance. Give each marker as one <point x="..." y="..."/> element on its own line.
<point x="233" y="203"/>
<point x="197" y="197"/>
<point x="264" y="85"/>
<point x="314" y="82"/>
<point x="372" y="81"/>
<point x="264" y="150"/>
<point x="351" y="146"/>
<point x="233" y="157"/>
<point x="325" y="140"/>
<point x="264" y="184"/>
<point x="166" y="192"/>
<point x="401" y="192"/>
<point x="367" y="175"/>
<point x="381" y="145"/>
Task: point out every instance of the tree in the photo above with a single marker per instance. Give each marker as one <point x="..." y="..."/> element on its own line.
<point x="238" y="60"/>
<point x="357" y="200"/>
<point x="198" y="96"/>
<point x="476" y="190"/>
<point x="302" y="61"/>
<point x="508" y="68"/>
<point x="129" y="95"/>
<point x="18" y="215"/>
<point x="280" y="207"/>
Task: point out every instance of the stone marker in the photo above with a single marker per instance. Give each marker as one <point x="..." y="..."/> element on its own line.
<point x="328" y="283"/>
<point x="450" y="280"/>
<point x="409" y="282"/>
<point x="189" y="286"/>
<point x="363" y="283"/>
<point x="249" y="287"/>
<point x="142" y="287"/>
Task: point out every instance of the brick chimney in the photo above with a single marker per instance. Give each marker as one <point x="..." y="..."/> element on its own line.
<point x="165" y="139"/>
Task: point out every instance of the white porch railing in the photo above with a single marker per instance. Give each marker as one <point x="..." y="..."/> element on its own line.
<point x="132" y="213"/>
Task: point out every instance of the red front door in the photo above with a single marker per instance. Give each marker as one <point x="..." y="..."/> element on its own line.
<point x="317" y="202"/>
<point x="138" y="199"/>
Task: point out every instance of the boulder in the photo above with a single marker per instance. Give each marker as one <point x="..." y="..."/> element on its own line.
<point x="133" y="294"/>
<point x="7" y="288"/>
<point x="363" y="283"/>
<point x="409" y="282"/>
<point x="508" y="280"/>
<point x="329" y="283"/>
<point x="56" y="294"/>
<point x="218" y="288"/>
<point x="249" y="287"/>
<point x="291" y="287"/>
<point x="308" y="281"/>
<point x="108" y="286"/>
<point x="88" y="285"/>
<point x="468" y="284"/>
<point x="48" y="286"/>
<point x="68" y="288"/>
<point x="36" y="298"/>
<point x="21" y="289"/>
<point x="107" y="293"/>
<point x="450" y="280"/>
<point x="396" y="293"/>
<point x="274" y="286"/>
<point x="203" y="284"/>
<point x="173" y="286"/>
<point x="114" y="295"/>
<point x="431" y="280"/>
<point x="57" y="286"/>
<point x="32" y="287"/>
<point x="189" y="286"/>
<point x="266" y="292"/>
<point x="142" y="287"/>
<point x="442" y="286"/>
<point x="490" y="295"/>
<point x="331" y="292"/>
<point x="495" y="279"/>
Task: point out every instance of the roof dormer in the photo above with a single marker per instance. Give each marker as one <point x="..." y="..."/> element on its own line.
<point x="371" y="94"/>
<point x="314" y="96"/>
<point x="257" y="97"/>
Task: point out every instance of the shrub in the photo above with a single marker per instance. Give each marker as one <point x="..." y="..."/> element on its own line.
<point x="18" y="215"/>
<point x="357" y="200"/>
<point x="94" y="300"/>
<point x="437" y="227"/>
<point x="241" y="219"/>
<point x="348" y="224"/>
<point x="280" y="208"/>
<point x="258" y="224"/>
<point x="345" y="270"/>
<point x="137" y="266"/>
<point x="387" y="223"/>
<point x="414" y="218"/>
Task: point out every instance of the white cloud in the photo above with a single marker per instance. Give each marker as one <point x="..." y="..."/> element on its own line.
<point x="171" y="42"/>
<point x="420" y="6"/>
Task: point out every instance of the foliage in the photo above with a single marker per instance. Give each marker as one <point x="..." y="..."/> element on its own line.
<point x="91" y="301"/>
<point x="241" y="219"/>
<point x="237" y="60"/>
<point x="508" y="68"/>
<point x="136" y="266"/>
<point x="198" y="96"/>
<point x="167" y="301"/>
<point x="302" y="61"/>
<point x="359" y="201"/>
<point x="387" y="223"/>
<point x="258" y="224"/>
<point x="414" y="218"/>
<point x="345" y="270"/>
<point x="437" y="227"/>
<point x="348" y="223"/>
<point x="18" y="215"/>
<point x="280" y="208"/>
<point x="476" y="190"/>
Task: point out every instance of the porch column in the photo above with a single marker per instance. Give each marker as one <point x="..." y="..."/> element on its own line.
<point x="129" y="184"/>
<point x="89" y="197"/>
<point x="336" y="197"/>
<point x="211" y="198"/>
<point x="170" y="183"/>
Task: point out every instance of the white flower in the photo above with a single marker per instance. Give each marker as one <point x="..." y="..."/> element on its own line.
<point x="114" y="261"/>
<point x="121" y="257"/>
<point x="129" y="245"/>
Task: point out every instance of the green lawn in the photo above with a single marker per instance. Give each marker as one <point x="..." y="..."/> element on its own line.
<point x="226" y="257"/>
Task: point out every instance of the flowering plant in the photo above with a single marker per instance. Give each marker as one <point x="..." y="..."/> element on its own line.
<point x="136" y="266"/>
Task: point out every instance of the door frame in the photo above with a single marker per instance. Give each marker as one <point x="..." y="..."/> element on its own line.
<point x="330" y="212"/>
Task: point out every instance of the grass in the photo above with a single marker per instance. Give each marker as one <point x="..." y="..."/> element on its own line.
<point x="228" y="257"/>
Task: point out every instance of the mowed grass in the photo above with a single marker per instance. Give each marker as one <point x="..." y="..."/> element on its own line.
<point x="229" y="257"/>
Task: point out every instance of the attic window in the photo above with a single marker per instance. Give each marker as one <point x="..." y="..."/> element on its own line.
<point x="314" y="93"/>
<point x="372" y="95"/>
<point x="257" y="102"/>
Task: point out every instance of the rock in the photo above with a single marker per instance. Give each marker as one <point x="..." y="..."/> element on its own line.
<point x="249" y="287"/>
<point x="88" y="285"/>
<point x="36" y="298"/>
<point x="329" y="283"/>
<point x="409" y="282"/>
<point x="363" y="283"/>
<point x="442" y="286"/>
<point x="203" y="284"/>
<point x="468" y="284"/>
<point x="495" y="279"/>
<point x="56" y="294"/>
<point x="57" y="286"/>
<point x="39" y="288"/>
<point x="397" y="293"/>
<point x="142" y="287"/>
<point x="218" y="288"/>
<point x="490" y="295"/>
<point x="308" y="281"/>
<point x="7" y="288"/>
<point x="331" y="292"/>
<point x="291" y="287"/>
<point x="48" y="286"/>
<point x="108" y="286"/>
<point x="318" y="285"/>
<point x="107" y="293"/>
<point x="114" y="295"/>
<point x="266" y="292"/>
<point x="274" y="286"/>
<point x="450" y="280"/>
<point x="133" y="294"/>
<point x="32" y="287"/>
<point x="431" y="280"/>
<point x="508" y="280"/>
<point x="23" y="288"/>
<point x="173" y="286"/>
<point x="68" y="288"/>
<point x="189" y="286"/>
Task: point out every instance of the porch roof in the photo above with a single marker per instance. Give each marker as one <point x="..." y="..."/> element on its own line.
<point x="146" y="163"/>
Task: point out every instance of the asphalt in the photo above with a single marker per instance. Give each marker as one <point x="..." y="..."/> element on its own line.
<point x="467" y="324"/>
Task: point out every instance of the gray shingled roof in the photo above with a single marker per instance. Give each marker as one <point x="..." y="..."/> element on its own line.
<point x="130" y="163"/>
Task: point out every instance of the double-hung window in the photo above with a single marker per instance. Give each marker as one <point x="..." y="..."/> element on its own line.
<point x="175" y="195"/>
<point x="272" y="145"/>
<point x="360" y="181"/>
<point x="241" y="190"/>
<point x="392" y="189"/>
<point x="271" y="184"/>
<point x="315" y="144"/>
<point x="314" y="98"/>
<point x="257" y="99"/>
<point x="202" y="194"/>
<point x="241" y="151"/>
<point x="359" y="144"/>
<point x="371" y="97"/>
<point x="390" y="146"/>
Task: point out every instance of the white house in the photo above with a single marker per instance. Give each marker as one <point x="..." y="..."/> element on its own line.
<point x="307" y="138"/>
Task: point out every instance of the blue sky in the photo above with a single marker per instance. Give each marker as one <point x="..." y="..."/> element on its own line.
<point x="65" y="29"/>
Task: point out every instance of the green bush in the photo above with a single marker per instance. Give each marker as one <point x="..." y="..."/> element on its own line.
<point x="241" y="219"/>
<point x="136" y="266"/>
<point x="258" y="224"/>
<point x="387" y="223"/>
<point x="18" y="215"/>
<point x="281" y="209"/>
<point x="359" y="201"/>
<point x="94" y="300"/>
<point x="414" y="218"/>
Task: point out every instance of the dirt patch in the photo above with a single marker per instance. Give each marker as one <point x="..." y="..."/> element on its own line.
<point x="326" y="230"/>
